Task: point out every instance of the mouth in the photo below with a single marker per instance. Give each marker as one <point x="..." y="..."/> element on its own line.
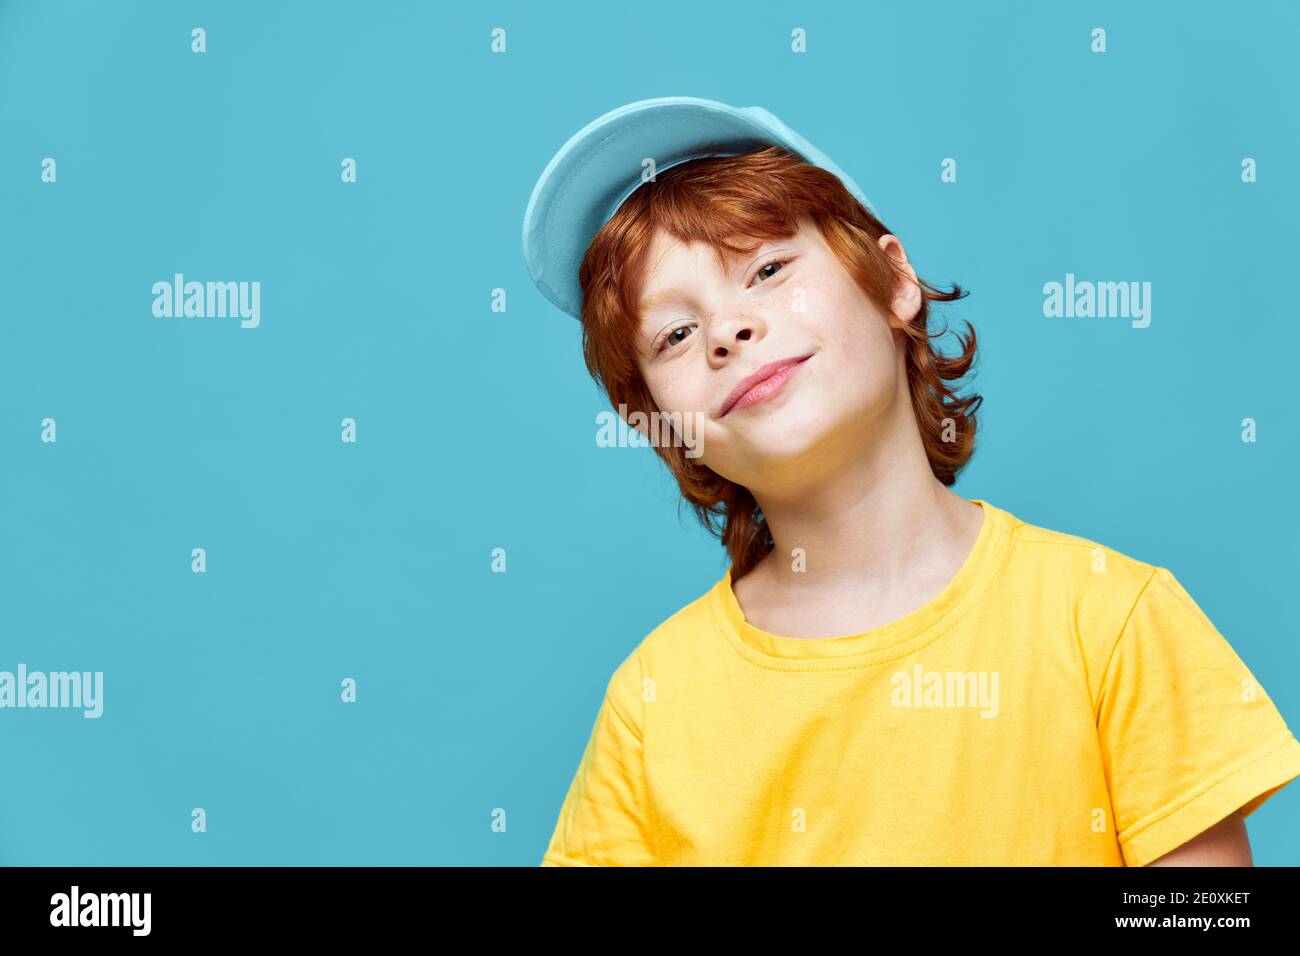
<point x="763" y="384"/>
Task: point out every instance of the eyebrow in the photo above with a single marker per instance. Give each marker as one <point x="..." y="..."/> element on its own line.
<point x="662" y="297"/>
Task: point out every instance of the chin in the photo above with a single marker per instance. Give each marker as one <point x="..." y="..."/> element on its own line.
<point x="786" y="437"/>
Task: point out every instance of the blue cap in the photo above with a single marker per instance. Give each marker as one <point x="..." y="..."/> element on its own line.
<point x="601" y="165"/>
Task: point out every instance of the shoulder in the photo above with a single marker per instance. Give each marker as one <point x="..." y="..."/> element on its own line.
<point x="676" y="647"/>
<point x="1088" y="567"/>
<point x="1099" y="588"/>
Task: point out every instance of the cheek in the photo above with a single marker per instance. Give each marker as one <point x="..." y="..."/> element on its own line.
<point x="677" y="390"/>
<point x="861" y="351"/>
<point x="869" y="344"/>
<point x="858" y="328"/>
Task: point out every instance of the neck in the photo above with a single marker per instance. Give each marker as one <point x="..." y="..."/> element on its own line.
<point x="875" y="519"/>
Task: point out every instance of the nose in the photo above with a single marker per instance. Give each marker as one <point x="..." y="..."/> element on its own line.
<point x="727" y="334"/>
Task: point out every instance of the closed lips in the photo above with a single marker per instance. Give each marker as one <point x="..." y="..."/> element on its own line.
<point x="762" y="375"/>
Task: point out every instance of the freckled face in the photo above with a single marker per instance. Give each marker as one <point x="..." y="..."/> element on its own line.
<point x="704" y="330"/>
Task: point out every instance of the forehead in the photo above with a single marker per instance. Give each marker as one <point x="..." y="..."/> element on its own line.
<point x="665" y="247"/>
<point x="670" y="266"/>
<point x="671" y="262"/>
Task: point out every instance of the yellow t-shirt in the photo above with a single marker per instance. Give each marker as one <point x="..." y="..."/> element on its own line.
<point x="1058" y="703"/>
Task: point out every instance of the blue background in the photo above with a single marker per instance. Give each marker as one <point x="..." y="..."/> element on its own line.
<point x="476" y="428"/>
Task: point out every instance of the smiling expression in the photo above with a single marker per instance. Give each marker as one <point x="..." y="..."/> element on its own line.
<point x="782" y="356"/>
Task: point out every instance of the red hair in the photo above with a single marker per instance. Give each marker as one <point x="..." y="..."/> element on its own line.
<point x="733" y="204"/>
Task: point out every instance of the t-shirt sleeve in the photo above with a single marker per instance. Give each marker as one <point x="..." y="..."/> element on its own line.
<point x="1187" y="734"/>
<point x="603" y="819"/>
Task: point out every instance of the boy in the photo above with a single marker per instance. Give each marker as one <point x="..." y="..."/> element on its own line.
<point x="888" y="673"/>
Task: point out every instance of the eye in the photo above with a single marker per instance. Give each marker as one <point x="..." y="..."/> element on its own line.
<point x="671" y="339"/>
<point x="762" y="272"/>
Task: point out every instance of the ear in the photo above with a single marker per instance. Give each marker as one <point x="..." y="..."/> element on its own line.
<point x="906" y="301"/>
